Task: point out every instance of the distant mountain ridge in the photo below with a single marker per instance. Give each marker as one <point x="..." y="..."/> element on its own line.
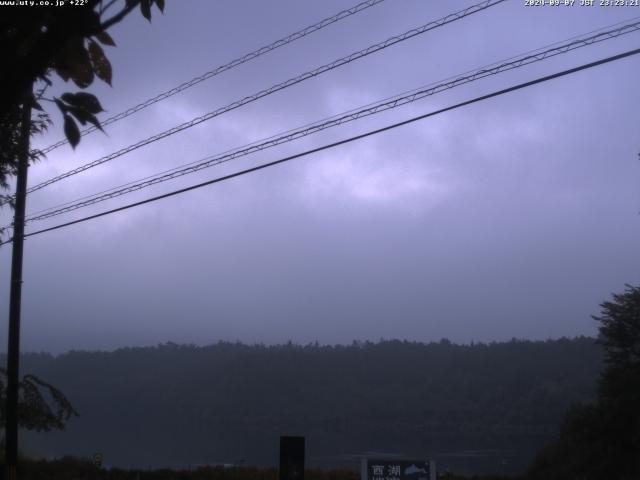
<point x="477" y="407"/>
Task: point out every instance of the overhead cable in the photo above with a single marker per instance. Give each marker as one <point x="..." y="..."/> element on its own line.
<point x="227" y="66"/>
<point x="275" y="88"/>
<point x="371" y="109"/>
<point x="341" y="142"/>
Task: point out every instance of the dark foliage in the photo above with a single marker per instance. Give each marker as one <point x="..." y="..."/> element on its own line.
<point x="42" y="407"/>
<point x="482" y="407"/>
<point x="9" y="141"/>
<point x="37" y="41"/>
<point x="602" y="439"/>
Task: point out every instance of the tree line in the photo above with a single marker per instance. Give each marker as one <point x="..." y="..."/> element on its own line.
<point x="479" y="407"/>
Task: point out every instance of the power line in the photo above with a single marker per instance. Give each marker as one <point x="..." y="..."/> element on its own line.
<point x="371" y="109"/>
<point x="280" y="86"/>
<point x="575" y="41"/>
<point x="228" y="66"/>
<point x="342" y="142"/>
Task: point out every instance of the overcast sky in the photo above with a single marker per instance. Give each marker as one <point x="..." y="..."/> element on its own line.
<point x="514" y="217"/>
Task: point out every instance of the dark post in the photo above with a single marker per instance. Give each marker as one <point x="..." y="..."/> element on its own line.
<point x="291" y="458"/>
<point x="13" y="353"/>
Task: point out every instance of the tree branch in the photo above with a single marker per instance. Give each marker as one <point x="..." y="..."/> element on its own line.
<point x="103" y="9"/>
<point x="117" y="18"/>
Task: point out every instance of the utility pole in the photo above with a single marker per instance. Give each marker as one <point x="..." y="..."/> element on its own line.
<point x="13" y="353"/>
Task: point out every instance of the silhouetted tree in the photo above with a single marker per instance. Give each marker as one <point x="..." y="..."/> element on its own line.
<point x="602" y="440"/>
<point x="234" y="399"/>
<point x="42" y="407"/>
<point x="38" y="41"/>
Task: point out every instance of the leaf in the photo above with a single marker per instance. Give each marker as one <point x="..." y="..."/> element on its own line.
<point x="96" y="54"/>
<point x="105" y="39"/>
<point x="94" y="121"/>
<point x="82" y="76"/>
<point x="61" y="106"/>
<point x="160" y="4"/>
<point x="69" y="98"/>
<point x="84" y="100"/>
<point x="63" y="73"/>
<point x="75" y="59"/>
<point x="90" y="102"/>
<point x="101" y="66"/>
<point x="80" y="114"/>
<point x="145" y="8"/>
<point x="71" y="131"/>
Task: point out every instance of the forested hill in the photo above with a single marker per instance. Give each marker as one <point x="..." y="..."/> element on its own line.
<point x="481" y="406"/>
